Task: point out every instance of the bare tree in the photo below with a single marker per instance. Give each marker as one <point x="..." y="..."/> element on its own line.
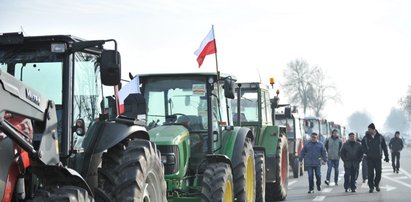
<point x="321" y="91"/>
<point x="405" y="103"/>
<point x="298" y="77"/>
<point x="397" y="120"/>
<point x="359" y="121"/>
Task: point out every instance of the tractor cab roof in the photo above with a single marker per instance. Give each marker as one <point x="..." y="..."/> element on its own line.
<point x="187" y="74"/>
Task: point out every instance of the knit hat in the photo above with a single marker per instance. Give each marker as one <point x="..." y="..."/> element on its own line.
<point x="372" y="126"/>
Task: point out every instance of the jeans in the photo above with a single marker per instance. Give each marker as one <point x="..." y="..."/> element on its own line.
<point x="374" y="164"/>
<point x="350" y="178"/>
<point x="395" y="158"/>
<point x="311" y="170"/>
<point x="331" y="164"/>
<point x="364" y="165"/>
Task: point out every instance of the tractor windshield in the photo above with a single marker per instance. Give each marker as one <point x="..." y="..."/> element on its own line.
<point x="311" y="126"/>
<point x="248" y="107"/>
<point x="171" y="100"/>
<point x="289" y="124"/>
<point x="38" y="68"/>
<point x="42" y="70"/>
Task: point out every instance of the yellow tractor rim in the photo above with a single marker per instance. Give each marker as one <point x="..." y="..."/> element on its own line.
<point x="250" y="179"/>
<point x="228" y="195"/>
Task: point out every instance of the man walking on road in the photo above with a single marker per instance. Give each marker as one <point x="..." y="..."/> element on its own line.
<point x="373" y="145"/>
<point x="351" y="154"/>
<point x="333" y="147"/>
<point x="314" y="154"/>
<point x="396" y="145"/>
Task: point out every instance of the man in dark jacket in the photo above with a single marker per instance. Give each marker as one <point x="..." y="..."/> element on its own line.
<point x="314" y="155"/>
<point x="396" y="144"/>
<point x="351" y="154"/>
<point x="373" y="145"/>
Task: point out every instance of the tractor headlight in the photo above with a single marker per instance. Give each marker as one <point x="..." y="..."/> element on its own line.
<point x="169" y="159"/>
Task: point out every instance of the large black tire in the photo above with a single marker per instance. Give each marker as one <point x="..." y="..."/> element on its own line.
<point x="260" y="176"/>
<point x="302" y="168"/>
<point x="132" y="171"/>
<point x="65" y="193"/>
<point x="244" y="173"/>
<point x="296" y="167"/>
<point x="217" y="184"/>
<point x="278" y="191"/>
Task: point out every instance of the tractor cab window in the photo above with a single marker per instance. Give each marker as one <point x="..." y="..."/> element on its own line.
<point x="248" y="107"/>
<point x="32" y="72"/>
<point x="289" y="124"/>
<point x="311" y="125"/>
<point x="176" y="101"/>
<point x="87" y="92"/>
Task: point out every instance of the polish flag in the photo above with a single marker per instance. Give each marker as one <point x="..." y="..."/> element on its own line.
<point x="131" y="87"/>
<point x="207" y="47"/>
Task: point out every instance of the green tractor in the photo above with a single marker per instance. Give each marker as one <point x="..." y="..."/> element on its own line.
<point x="256" y="110"/>
<point x="205" y="157"/>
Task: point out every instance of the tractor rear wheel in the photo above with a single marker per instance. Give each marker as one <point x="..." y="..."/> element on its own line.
<point x="132" y="171"/>
<point x="278" y="191"/>
<point x="244" y="173"/>
<point x="217" y="185"/>
<point x="260" y="176"/>
<point x="64" y="193"/>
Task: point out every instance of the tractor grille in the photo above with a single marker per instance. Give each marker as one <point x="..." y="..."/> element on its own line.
<point x="170" y="158"/>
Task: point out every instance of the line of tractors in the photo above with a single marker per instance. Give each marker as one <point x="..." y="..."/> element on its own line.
<point x="185" y="137"/>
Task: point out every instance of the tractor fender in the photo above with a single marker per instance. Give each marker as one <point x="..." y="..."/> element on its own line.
<point x="111" y="133"/>
<point x="61" y="176"/>
<point x="240" y="138"/>
<point x="215" y="158"/>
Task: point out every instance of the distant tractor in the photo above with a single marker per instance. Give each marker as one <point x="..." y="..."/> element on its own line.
<point x="314" y="124"/>
<point x="255" y="109"/>
<point x="61" y="138"/>
<point x="295" y="132"/>
<point x="205" y="157"/>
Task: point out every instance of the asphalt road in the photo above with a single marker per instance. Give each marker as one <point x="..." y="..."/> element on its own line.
<point x="394" y="187"/>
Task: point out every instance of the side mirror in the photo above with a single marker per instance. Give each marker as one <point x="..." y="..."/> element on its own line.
<point x="287" y="112"/>
<point x="110" y="67"/>
<point x="274" y="102"/>
<point x="80" y="127"/>
<point x="229" y="88"/>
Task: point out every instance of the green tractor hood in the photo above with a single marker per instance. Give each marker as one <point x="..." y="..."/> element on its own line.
<point x="168" y="134"/>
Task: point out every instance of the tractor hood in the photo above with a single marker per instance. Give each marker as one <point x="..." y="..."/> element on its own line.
<point x="168" y="134"/>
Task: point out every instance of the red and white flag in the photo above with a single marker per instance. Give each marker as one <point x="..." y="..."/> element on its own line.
<point x="207" y="47"/>
<point x="131" y="87"/>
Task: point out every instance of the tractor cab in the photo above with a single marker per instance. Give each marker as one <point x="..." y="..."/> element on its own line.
<point x="187" y="106"/>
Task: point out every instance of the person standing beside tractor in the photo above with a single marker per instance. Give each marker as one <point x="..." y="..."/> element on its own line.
<point x="351" y="154"/>
<point x="373" y="146"/>
<point x="333" y="146"/>
<point x="396" y="145"/>
<point x="314" y="154"/>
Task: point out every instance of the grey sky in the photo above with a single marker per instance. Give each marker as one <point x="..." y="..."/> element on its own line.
<point x="363" y="45"/>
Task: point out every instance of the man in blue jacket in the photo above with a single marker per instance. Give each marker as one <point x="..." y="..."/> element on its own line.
<point x="314" y="154"/>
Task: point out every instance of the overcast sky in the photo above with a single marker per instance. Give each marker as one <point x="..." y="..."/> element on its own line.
<point x="364" y="46"/>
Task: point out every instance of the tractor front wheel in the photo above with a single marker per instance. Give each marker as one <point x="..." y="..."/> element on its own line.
<point x="260" y="176"/>
<point x="244" y="173"/>
<point x="296" y="167"/>
<point x="278" y="191"/>
<point x="217" y="185"/>
<point x="132" y="171"/>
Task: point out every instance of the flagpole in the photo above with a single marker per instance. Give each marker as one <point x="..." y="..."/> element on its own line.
<point x="216" y="60"/>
